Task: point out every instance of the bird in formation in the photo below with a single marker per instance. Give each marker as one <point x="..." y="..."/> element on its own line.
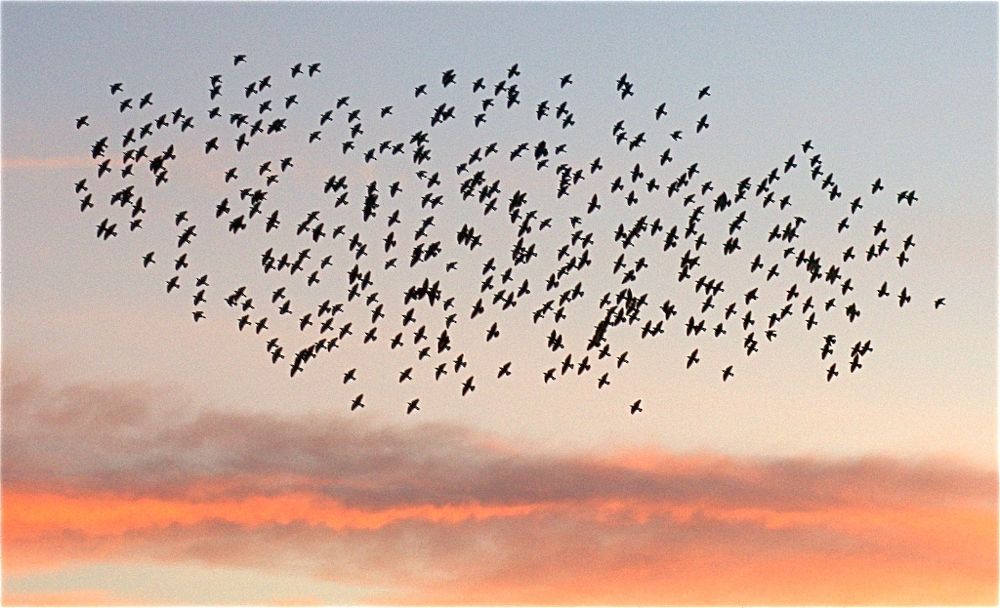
<point x="368" y="258"/>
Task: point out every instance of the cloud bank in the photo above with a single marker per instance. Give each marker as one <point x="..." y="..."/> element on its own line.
<point x="437" y="514"/>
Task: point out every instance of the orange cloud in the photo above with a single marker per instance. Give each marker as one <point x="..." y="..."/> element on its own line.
<point x="120" y="473"/>
<point x="30" y="515"/>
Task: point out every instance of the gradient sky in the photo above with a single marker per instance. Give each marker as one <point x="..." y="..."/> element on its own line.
<point x="185" y="447"/>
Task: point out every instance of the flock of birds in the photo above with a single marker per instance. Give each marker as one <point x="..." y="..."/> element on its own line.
<point x="547" y="252"/>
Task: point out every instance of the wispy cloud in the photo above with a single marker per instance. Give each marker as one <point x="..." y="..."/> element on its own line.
<point x="46" y="162"/>
<point x="99" y="473"/>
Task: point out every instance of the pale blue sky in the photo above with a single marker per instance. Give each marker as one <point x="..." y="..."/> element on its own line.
<point x="903" y="91"/>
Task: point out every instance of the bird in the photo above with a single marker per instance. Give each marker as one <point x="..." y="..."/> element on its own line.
<point x="412" y="406"/>
<point x="904" y="297"/>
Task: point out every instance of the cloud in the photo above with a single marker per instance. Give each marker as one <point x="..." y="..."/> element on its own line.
<point x="439" y="514"/>
<point x="47" y="162"/>
<point x="84" y="597"/>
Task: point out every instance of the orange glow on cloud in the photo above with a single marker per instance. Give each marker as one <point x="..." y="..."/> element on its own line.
<point x="463" y="520"/>
<point x="86" y="597"/>
<point x="28" y="514"/>
<point x="905" y="555"/>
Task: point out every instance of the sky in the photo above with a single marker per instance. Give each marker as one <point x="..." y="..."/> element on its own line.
<point x="149" y="459"/>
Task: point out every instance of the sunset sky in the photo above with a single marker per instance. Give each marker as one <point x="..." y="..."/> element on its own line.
<point x="147" y="459"/>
